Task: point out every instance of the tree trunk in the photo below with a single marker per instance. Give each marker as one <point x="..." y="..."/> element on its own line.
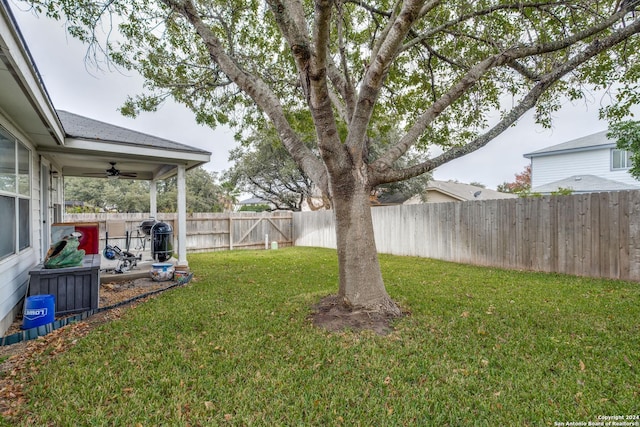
<point x="361" y="284"/>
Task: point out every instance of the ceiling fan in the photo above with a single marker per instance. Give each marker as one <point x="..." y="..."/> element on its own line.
<point x="113" y="172"/>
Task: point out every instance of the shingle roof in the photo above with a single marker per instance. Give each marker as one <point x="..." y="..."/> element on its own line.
<point x="76" y="126"/>
<point x="589" y="142"/>
<point x="254" y="201"/>
<point x="466" y="191"/>
<point x="585" y="184"/>
<point x="392" y="199"/>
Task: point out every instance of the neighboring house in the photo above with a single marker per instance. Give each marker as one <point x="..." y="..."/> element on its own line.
<point x="39" y="146"/>
<point x="386" y="199"/>
<point x="585" y="165"/>
<point x="254" y="202"/>
<point x="450" y="191"/>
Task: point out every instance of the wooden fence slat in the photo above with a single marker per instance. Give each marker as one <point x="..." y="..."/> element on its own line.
<point x="633" y="211"/>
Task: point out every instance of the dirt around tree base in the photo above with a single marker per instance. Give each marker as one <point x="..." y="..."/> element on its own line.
<point x="332" y="314"/>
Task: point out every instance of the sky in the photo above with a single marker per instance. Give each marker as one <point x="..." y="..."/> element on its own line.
<point x="79" y="88"/>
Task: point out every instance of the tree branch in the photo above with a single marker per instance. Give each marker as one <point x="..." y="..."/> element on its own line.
<point x="478" y="71"/>
<point x="384" y="54"/>
<point x="259" y="92"/>
<point x="596" y="47"/>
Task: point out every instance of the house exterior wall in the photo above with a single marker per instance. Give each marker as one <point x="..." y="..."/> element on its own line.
<point x="438" y="197"/>
<point x="551" y="168"/>
<point x="14" y="269"/>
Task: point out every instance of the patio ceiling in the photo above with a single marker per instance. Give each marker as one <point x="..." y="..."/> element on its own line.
<point x="94" y="165"/>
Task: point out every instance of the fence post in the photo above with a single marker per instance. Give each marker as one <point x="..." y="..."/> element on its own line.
<point x="230" y="232"/>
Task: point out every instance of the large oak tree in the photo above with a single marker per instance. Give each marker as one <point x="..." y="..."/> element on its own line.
<point x="449" y="73"/>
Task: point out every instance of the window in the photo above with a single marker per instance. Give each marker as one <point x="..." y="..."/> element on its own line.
<point x="620" y="159"/>
<point x="15" y="195"/>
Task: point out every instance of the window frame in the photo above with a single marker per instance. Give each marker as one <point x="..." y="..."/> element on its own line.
<point x="624" y="159"/>
<point x="20" y="178"/>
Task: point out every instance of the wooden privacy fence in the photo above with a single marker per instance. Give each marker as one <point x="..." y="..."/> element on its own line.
<point x="205" y="231"/>
<point x="595" y="234"/>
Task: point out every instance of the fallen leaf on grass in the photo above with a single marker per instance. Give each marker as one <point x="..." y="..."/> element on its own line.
<point x="208" y="405"/>
<point x="582" y="366"/>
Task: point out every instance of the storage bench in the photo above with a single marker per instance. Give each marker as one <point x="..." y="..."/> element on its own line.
<point x="75" y="288"/>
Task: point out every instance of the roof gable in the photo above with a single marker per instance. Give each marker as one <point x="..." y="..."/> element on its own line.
<point x="594" y="141"/>
<point x="462" y="191"/>
<point x="80" y="127"/>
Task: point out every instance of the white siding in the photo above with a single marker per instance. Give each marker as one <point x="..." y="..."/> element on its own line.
<point x="547" y="169"/>
<point x="14" y="270"/>
<point x="438" y="197"/>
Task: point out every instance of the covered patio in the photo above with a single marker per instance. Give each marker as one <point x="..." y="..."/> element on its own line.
<point x="100" y="150"/>
<point x="40" y="146"/>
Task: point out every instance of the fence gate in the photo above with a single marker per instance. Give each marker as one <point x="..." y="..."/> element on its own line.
<point x="257" y="231"/>
<point x="206" y="231"/>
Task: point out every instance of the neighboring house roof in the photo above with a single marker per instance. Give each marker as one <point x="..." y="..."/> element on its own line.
<point x="463" y="192"/>
<point x="590" y="142"/>
<point x="386" y="199"/>
<point x="76" y="126"/>
<point x="254" y="201"/>
<point x="585" y="184"/>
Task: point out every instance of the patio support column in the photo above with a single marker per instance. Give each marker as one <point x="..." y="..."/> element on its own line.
<point x="182" y="217"/>
<point x="153" y="199"/>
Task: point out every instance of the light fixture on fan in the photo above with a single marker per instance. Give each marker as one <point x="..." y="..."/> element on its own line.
<point x="113" y="173"/>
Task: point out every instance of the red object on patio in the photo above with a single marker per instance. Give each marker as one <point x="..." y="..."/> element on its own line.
<point x="89" y="238"/>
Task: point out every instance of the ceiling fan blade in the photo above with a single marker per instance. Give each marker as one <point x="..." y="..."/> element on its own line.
<point x="112" y="172"/>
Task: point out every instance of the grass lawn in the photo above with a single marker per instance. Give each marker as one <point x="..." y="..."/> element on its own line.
<point x="481" y="346"/>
